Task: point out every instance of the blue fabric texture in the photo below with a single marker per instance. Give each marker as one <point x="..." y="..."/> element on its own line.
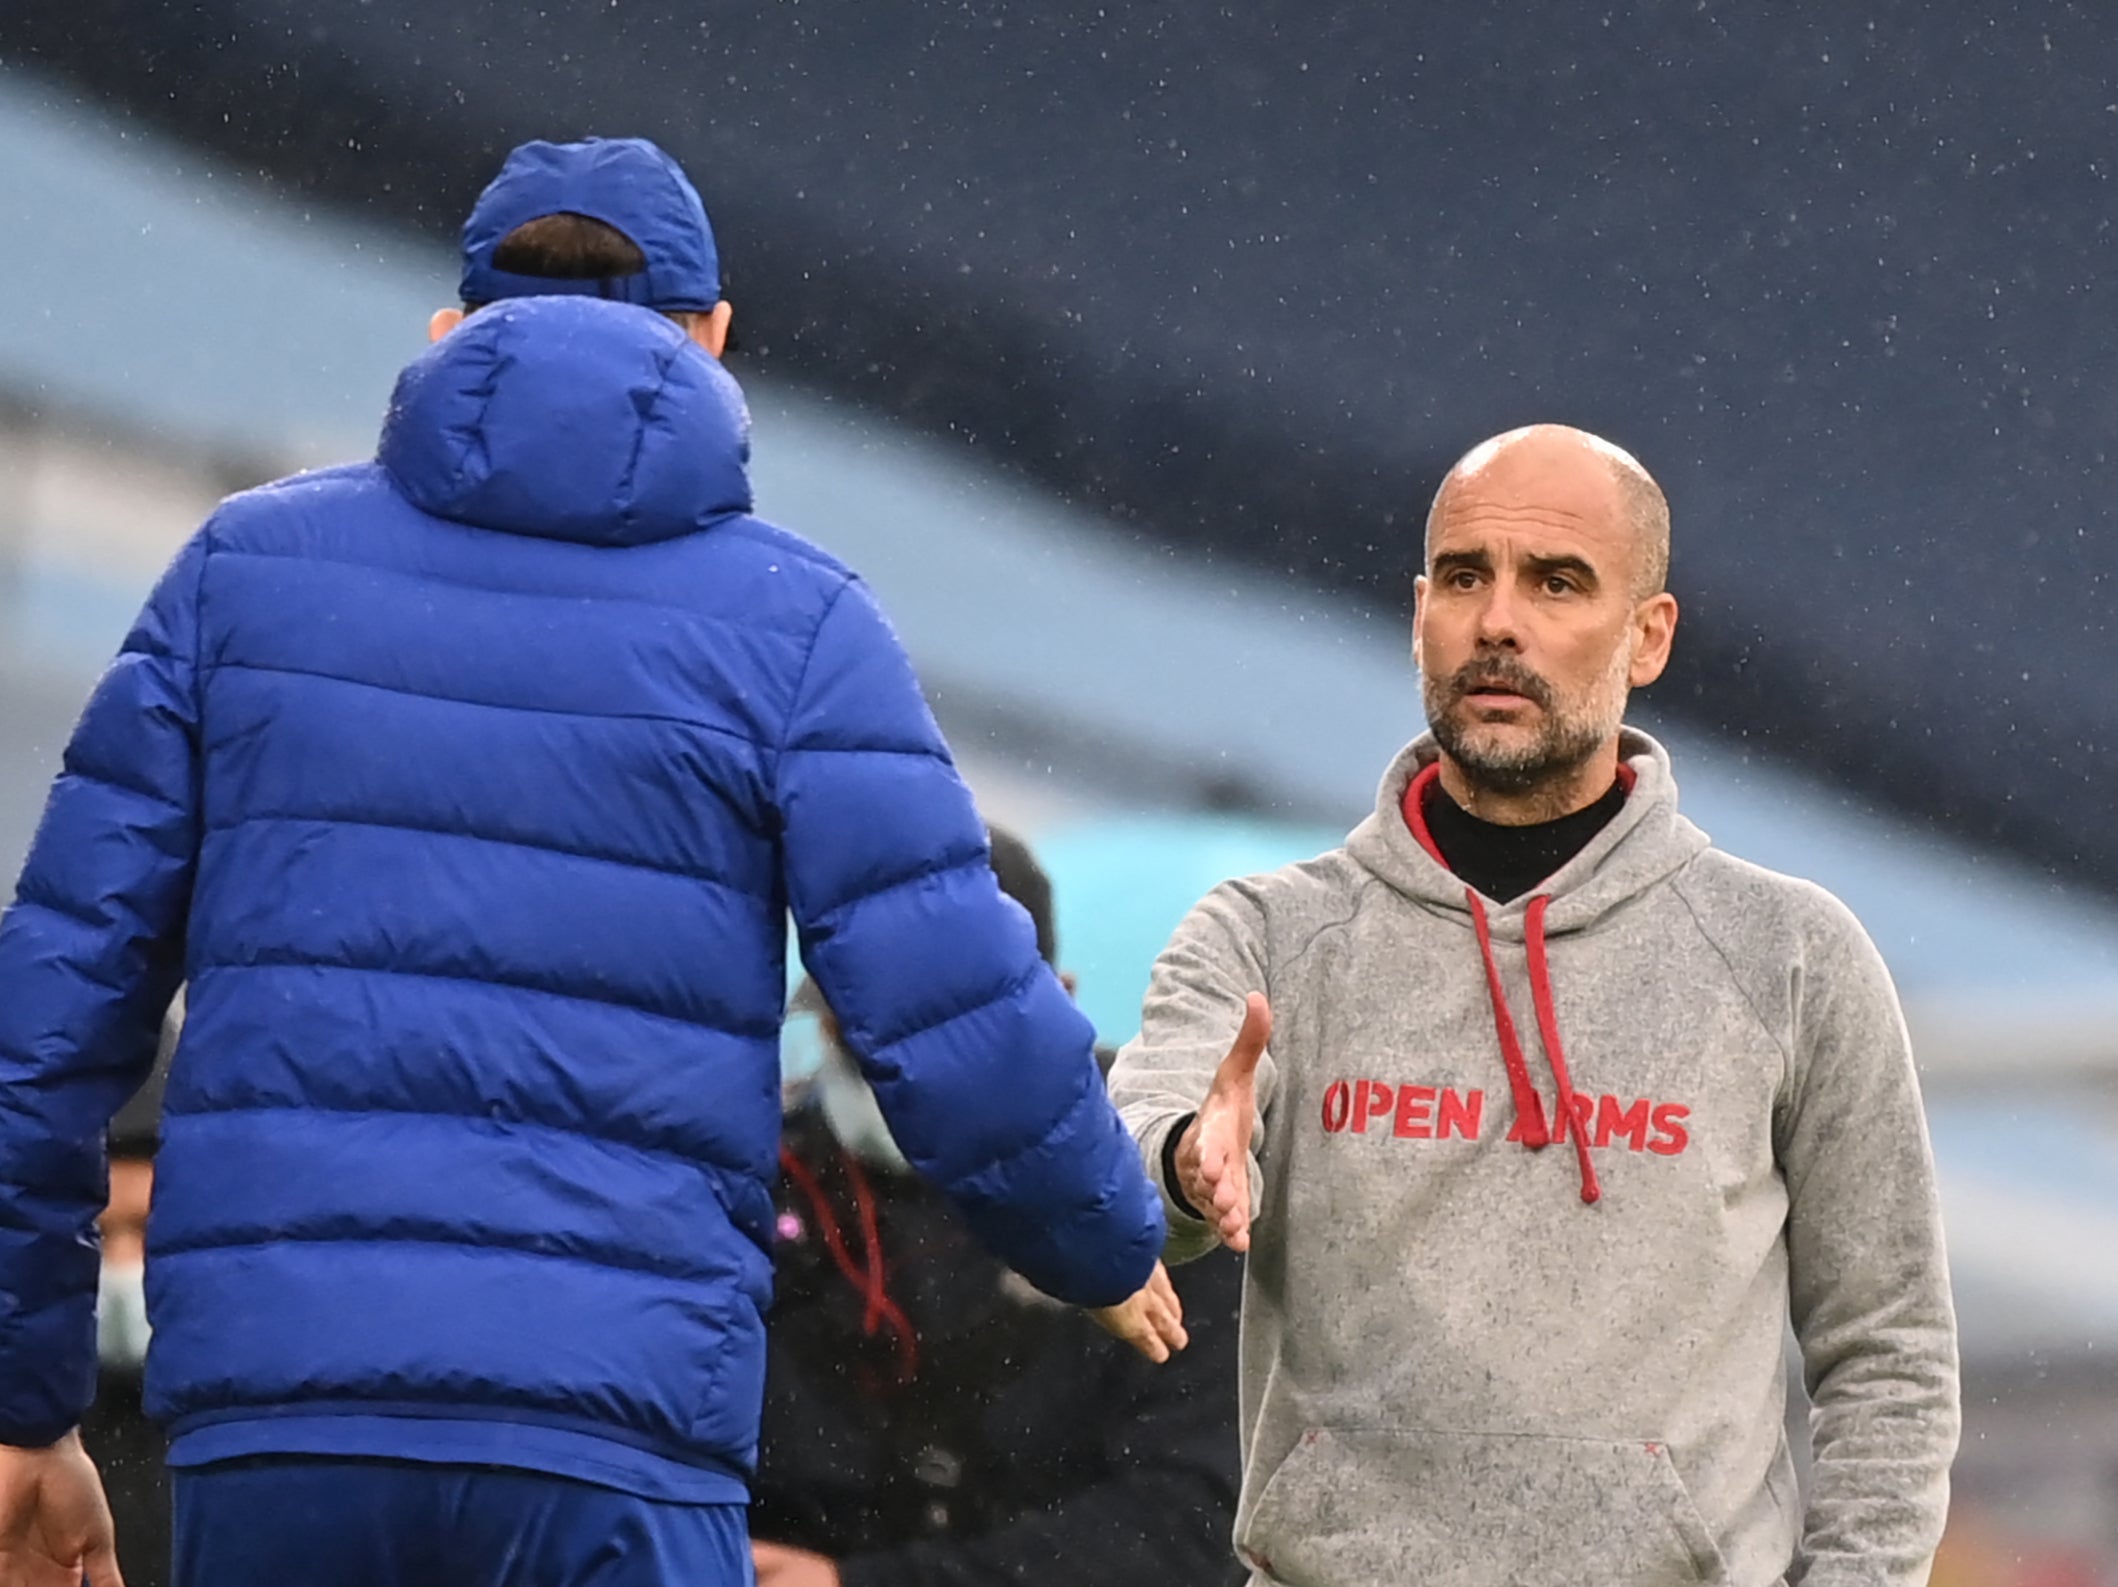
<point x="371" y="1523"/>
<point x="626" y="183"/>
<point x="470" y="790"/>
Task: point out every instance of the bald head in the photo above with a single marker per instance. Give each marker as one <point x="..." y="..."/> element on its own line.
<point x="1555" y="467"/>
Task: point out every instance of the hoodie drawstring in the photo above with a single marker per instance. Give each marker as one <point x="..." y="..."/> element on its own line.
<point x="1548" y="1028"/>
<point x="869" y="1278"/>
<point x="1529" y="1108"/>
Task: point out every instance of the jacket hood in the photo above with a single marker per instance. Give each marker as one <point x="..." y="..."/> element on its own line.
<point x="570" y="418"/>
<point x="1644" y="843"/>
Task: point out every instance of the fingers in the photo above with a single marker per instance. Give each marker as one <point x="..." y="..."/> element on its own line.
<point x="1222" y="1191"/>
<point x="1155" y="1319"/>
<point x="1150" y="1344"/>
<point x="1213" y="1159"/>
<point x="1130" y="1322"/>
<point x="1166" y="1310"/>
<point x="1151" y="1320"/>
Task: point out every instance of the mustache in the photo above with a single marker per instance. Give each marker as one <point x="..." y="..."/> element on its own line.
<point x="1500" y="672"/>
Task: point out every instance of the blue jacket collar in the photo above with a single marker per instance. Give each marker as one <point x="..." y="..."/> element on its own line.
<point x="572" y="419"/>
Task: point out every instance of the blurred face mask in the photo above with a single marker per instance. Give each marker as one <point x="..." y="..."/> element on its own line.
<point x="802" y="1047"/>
<point x="121" y="1316"/>
<point x="851" y="1110"/>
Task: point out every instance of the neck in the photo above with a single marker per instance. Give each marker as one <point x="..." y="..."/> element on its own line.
<point x="1574" y="789"/>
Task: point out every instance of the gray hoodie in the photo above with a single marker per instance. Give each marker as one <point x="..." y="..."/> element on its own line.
<point x="1471" y="1360"/>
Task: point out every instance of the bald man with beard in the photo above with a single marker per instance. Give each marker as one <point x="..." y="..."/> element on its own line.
<point x="1541" y="1120"/>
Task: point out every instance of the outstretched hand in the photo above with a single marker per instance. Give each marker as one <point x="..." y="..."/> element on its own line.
<point x="1213" y="1157"/>
<point x="55" y="1526"/>
<point x="1151" y="1320"/>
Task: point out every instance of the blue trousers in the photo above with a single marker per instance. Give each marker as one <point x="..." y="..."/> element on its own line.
<point x="303" y="1521"/>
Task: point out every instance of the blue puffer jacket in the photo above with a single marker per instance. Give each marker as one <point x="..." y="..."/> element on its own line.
<point x="470" y="790"/>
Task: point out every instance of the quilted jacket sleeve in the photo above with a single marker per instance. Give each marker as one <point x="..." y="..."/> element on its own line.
<point x="90" y="955"/>
<point x="982" y="1065"/>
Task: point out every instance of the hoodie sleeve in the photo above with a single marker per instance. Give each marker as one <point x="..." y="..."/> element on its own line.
<point x="983" y="1067"/>
<point x="1194" y="1009"/>
<point x="90" y="955"/>
<point x="1868" y="1279"/>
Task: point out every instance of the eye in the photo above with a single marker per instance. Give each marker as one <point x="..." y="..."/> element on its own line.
<point x="1559" y="584"/>
<point x="1462" y="579"/>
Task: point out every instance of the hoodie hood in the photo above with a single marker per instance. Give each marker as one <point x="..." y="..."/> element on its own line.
<point x="1646" y="842"/>
<point x="570" y="418"/>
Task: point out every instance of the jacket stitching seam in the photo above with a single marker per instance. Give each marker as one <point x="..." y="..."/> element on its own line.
<point x="484" y="1240"/>
<point x="630" y="482"/>
<point x="373" y="823"/>
<point x="33" y="896"/>
<point x="80" y="771"/>
<point x="294" y="961"/>
<point x="801" y="679"/>
<point x="925" y="873"/>
<point x="382" y="1110"/>
<point x="1011" y="990"/>
<point x="487" y="705"/>
<point x="454" y="583"/>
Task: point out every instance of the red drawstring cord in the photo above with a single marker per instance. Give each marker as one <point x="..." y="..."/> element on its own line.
<point x="870" y="1278"/>
<point x="1529" y="1109"/>
<point x="1548" y="1028"/>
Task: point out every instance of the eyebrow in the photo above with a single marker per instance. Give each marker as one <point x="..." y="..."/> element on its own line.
<point x="1453" y="561"/>
<point x="1449" y="562"/>
<point x="1544" y="567"/>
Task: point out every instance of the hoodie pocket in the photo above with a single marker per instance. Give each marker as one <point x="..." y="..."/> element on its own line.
<point x="1351" y="1507"/>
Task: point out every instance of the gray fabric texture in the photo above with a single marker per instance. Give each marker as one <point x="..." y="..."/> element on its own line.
<point x="1458" y="1374"/>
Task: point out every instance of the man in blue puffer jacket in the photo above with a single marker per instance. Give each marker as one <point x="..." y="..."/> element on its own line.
<point x="468" y="790"/>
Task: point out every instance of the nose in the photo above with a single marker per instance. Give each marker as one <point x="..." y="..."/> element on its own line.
<point x="1498" y="618"/>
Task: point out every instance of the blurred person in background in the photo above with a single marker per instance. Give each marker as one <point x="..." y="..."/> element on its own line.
<point x="123" y="1440"/>
<point x="931" y="1419"/>
<point x="1543" y="1119"/>
<point x="469" y="789"/>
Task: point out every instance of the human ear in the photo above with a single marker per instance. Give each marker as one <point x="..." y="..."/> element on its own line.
<point x="710" y="330"/>
<point x="1419" y="621"/>
<point x="1654" y="629"/>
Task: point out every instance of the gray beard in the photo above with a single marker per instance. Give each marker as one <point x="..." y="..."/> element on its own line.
<point x="1566" y="742"/>
<point x="1549" y="761"/>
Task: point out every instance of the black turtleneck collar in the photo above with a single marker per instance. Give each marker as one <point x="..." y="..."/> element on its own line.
<point x="1506" y="862"/>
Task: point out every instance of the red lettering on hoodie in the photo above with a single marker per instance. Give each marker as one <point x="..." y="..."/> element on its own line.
<point x="1670" y="1135"/>
<point x="1583" y="1116"/>
<point x="1441" y="1113"/>
<point x="1338" y="1105"/>
<point x="1615" y="1121"/>
<point x="1460" y="1114"/>
<point x="1414" y="1107"/>
<point x="1371" y="1100"/>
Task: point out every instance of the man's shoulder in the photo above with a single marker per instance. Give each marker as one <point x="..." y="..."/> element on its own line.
<point x="1296" y="905"/>
<point x="253" y="515"/>
<point x="750" y="551"/>
<point x="1323" y="884"/>
<point x="284" y="514"/>
<point x="783" y="550"/>
<point x="1738" y="899"/>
